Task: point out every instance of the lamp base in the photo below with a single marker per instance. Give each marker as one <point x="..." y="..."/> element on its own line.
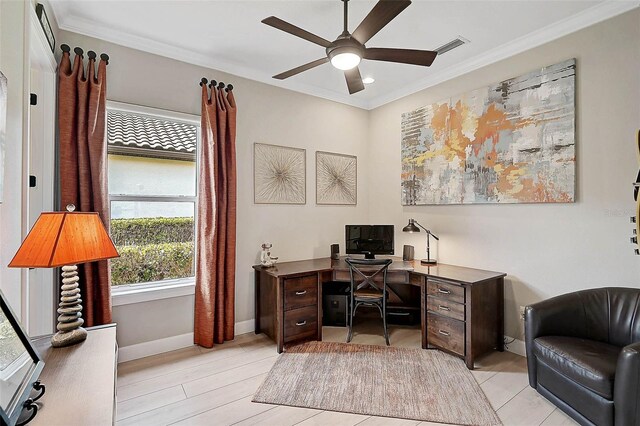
<point x="429" y="262"/>
<point x="62" y="339"/>
<point x="70" y="320"/>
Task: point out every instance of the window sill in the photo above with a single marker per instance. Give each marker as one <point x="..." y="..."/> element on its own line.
<point x="129" y="294"/>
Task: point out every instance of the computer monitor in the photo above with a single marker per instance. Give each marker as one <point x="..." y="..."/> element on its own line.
<point x="369" y="240"/>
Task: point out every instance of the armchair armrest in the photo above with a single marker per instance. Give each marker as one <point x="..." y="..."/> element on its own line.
<point x="559" y="316"/>
<point x="626" y="393"/>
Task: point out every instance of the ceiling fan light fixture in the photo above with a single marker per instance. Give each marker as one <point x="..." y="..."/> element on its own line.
<point x="345" y="61"/>
<point x="346" y="51"/>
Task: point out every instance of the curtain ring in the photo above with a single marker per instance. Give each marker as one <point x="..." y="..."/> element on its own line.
<point x="212" y="84"/>
<point x="78" y="51"/>
<point x="105" y="58"/>
<point x="229" y="87"/>
<point x="220" y="85"/>
<point x="91" y="54"/>
<point x="65" y="48"/>
<point x="203" y="81"/>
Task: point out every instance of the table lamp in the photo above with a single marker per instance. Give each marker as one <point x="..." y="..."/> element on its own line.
<point x="412" y="227"/>
<point x="66" y="239"/>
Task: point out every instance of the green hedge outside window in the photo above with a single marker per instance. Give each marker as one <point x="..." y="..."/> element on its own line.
<point x="152" y="249"/>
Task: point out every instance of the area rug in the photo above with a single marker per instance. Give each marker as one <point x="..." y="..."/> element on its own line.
<point x="414" y="384"/>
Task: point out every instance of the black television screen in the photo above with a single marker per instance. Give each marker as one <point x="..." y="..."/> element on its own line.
<point x="369" y="239"/>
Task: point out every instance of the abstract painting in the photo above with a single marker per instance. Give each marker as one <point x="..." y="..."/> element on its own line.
<point x="336" y="178"/>
<point x="279" y="174"/>
<point x="511" y="142"/>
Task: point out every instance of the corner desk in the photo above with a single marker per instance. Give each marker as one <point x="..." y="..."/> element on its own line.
<point x="461" y="309"/>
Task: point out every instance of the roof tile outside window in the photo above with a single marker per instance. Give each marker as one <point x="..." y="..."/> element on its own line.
<point x="151" y="137"/>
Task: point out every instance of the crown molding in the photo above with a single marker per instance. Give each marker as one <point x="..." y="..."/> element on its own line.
<point x="600" y="12"/>
<point x="92" y="29"/>
<point x="588" y="17"/>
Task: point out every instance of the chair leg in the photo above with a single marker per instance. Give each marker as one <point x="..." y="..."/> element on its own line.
<point x="384" y="323"/>
<point x="383" y="314"/>
<point x="351" y="314"/>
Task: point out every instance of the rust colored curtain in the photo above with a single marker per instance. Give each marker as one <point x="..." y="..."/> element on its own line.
<point x="216" y="233"/>
<point x="83" y="165"/>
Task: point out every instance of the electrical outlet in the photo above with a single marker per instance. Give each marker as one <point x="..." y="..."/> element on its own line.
<point x="521" y="320"/>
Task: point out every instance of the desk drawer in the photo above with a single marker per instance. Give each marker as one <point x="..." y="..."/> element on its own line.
<point x="445" y="333"/>
<point x="299" y="292"/>
<point x="415" y="279"/>
<point x="300" y="323"/>
<point x="444" y="290"/>
<point x="445" y="307"/>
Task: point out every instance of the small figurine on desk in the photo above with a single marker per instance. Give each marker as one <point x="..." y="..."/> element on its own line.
<point x="266" y="259"/>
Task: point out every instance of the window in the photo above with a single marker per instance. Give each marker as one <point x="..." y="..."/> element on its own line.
<point x="153" y="193"/>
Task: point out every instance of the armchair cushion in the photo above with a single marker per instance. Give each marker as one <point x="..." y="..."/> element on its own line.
<point x="589" y="363"/>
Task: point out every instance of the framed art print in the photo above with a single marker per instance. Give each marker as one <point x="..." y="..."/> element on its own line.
<point x="279" y="174"/>
<point x="336" y="179"/>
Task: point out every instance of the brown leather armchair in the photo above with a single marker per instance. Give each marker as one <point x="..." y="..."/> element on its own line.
<point x="583" y="354"/>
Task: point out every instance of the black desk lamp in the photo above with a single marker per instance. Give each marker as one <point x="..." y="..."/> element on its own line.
<point x="413" y="227"/>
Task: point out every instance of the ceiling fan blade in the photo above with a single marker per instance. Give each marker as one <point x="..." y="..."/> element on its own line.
<point x="354" y="80"/>
<point x="404" y="56"/>
<point x="301" y="68"/>
<point x="296" y="31"/>
<point x="382" y="13"/>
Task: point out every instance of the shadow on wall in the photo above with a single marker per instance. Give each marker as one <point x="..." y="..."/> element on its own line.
<point x="525" y="295"/>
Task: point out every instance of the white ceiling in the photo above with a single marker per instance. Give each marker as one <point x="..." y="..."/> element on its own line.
<point x="228" y="36"/>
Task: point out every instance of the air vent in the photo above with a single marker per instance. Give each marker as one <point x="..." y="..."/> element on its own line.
<point x="451" y="45"/>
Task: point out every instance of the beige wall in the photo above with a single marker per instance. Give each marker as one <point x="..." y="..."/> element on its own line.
<point x="267" y="114"/>
<point x="546" y="249"/>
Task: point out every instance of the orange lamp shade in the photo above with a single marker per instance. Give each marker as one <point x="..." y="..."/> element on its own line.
<point x="64" y="238"/>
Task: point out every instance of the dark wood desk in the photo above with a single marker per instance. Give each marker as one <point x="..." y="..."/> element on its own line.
<point x="461" y="309"/>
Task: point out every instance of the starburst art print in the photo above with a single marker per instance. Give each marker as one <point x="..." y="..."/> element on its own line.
<point x="279" y="174"/>
<point x="336" y="178"/>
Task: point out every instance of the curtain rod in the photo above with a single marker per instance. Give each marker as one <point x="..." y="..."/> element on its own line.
<point x="213" y="83"/>
<point x="78" y="51"/>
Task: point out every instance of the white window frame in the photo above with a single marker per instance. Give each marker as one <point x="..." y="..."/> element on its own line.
<point x="125" y="294"/>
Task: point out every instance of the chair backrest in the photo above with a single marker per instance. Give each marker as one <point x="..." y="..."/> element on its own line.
<point x="611" y="314"/>
<point x="368" y="269"/>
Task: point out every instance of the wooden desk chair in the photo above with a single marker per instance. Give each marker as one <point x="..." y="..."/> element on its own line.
<point x="367" y="292"/>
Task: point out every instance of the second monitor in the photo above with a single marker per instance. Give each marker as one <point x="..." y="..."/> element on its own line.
<point x="369" y="240"/>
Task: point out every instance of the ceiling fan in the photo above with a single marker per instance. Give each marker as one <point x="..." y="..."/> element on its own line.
<point x="346" y="52"/>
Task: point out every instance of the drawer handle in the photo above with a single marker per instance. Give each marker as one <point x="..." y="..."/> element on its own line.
<point x="301" y="323"/>
<point x="301" y="293"/>
<point x="444" y="308"/>
<point x="444" y="333"/>
<point x="443" y="291"/>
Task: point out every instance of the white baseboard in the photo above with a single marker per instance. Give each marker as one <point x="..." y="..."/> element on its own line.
<point x="244" y="327"/>
<point x="168" y="344"/>
<point x="154" y="347"/>
<point x="517" y="346"/>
